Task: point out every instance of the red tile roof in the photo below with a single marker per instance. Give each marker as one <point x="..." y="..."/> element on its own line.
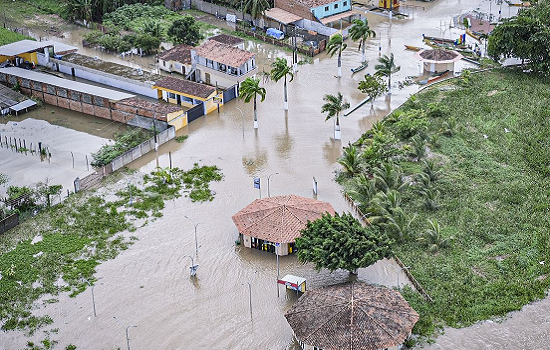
<point x="186" y="86"/>
<point x="227" y="39"/>
<point x="352" y="315"/>
<point x="223" y="53"/>
<point x="279" y="219"/>
<point x="180" y="53"/>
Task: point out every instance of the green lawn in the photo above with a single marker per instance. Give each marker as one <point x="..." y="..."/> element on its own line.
<point x="494" y="196"/>
<point x="8" y="37"/>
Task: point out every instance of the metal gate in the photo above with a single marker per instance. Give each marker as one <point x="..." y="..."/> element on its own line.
<point x="195" y="112"/>
<point x="229" y="94"/>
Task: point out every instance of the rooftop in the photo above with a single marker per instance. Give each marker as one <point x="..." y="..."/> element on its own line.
<point x="23" y="46"/>
<point x="66" y="84"/>
<point x="281" y="15"/>
<point x="224" y="54"/>
<point x="180" y="53"/>
<point x="438" y="56"/>
<point x="9" y="97"/>
<point x="227" y="39"/>
<point x="352" y="315"/>
<point x="187" y="87"/>
<point x="112" y="68"/>
<point x="279" y="219"/>
<point x="316" y="3"/>
<point x="159" y="107"/>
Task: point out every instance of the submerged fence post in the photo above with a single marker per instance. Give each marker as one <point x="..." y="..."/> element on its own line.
<point x="72" y="155"/>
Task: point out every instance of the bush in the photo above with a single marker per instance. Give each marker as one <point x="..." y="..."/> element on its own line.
<point x="123" y="142"/>
<point x="411" y="123"/>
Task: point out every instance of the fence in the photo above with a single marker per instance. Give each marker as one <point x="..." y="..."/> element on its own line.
<point x="9" y="222"/>
<point x="217" y="10"/>
<point x="195" y="112"/>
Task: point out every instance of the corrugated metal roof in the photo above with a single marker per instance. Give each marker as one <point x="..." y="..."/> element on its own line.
<point x="23" y="46"/>
<point x="281" y="15"/>
<point x="23" y="105"/>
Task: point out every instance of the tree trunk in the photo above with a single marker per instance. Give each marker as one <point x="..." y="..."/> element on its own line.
<point x="363" y="58"/>
<point x="339" y="64"/>
<point x="389" y="84"/>
<point x="255" y="114"/>
<point x="337" y="131"/>
<point x="286" y="97"/>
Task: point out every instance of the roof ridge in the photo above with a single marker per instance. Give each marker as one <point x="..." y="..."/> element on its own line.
<point x="376" y="322"/>
<point x="324" y="323"/>
<point x="255" y="223"/>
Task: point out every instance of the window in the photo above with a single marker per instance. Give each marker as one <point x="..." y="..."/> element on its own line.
<point x="326" y="8"/>
<point x="164" y="63"/>
<point x="335" y="6"/>
<point x="171" y="95"/>
<point x="345" y="3"/>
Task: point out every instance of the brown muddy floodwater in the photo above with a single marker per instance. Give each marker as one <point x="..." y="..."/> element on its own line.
<point x="149" y="286"/>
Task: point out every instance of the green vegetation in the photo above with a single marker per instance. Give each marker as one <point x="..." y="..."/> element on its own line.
<point x="373" y="86"/>
<point x="185" y="31"/>
<point x="181" y="138"/>
<point x="8" y="37"/>
<point x="250" y="90"/>
<point x="336" y="45"/>
<point x="341" y="242"/>
<point x="360" y="31"/>
<point x="459" y="177"/>
<point x="123" y="142"/>
<point x="280" y="70"/>
<point x="26" y="200"/>
<point x="77" y="235"/>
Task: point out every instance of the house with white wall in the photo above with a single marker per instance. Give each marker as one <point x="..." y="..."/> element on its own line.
<point x="177" y="59"/>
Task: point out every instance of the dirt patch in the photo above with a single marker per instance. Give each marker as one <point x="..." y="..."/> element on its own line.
<point x="492" y="92"/>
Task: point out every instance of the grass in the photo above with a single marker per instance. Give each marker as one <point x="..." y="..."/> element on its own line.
<point x="494" y="202"/>
<point x="8" y="37"/>
<point x="77" y="236"/>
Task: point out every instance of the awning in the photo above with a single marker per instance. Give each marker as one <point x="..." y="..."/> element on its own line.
<point x="22" y="105"/>
<point x="281" y="15"/>
<point x="339" y="16"/>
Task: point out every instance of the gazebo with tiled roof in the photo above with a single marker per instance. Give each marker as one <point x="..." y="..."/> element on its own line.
<point x="274" y="223"/>
<point x="352" y="315"/>
<point x="438" y="60"/>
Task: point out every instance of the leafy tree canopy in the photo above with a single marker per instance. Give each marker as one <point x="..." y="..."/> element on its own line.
<point x="341" y="242"/>
<point x="185" y="31"/>
<point x="373" y="86"/>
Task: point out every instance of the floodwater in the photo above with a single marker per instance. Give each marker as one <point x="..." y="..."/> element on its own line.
<point x="149" y="286"/>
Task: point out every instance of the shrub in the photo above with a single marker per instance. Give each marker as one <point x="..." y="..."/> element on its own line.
<point x="411" y="123"/>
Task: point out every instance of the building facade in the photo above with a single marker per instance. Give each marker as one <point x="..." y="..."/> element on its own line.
<point x="177" y="59"/>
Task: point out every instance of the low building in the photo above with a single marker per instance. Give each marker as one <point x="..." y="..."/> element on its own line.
<point x="177" y="59"/>
<point x="314" y="10"/>
<point x="34" y="52"/>
<point x="154" y="111"/>
<point x="223" y="65"/>
<point x="229" y="40"/>
<point x="13" y="101"/>
<point x="352" y="315"/>
<point x="272" y="224"/>
<point x="188" y="93"/>
<point x="438" y="60"/>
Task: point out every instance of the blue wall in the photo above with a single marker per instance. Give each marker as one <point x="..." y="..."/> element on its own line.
<point x="322" y="12"/>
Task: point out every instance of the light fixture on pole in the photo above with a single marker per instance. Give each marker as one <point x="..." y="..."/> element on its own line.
<point x="195" y="233"/>
<point x="193" y="268"/>
<point x="93" y="296"/>
<point x="249" y="295"/>
<point x="242" y="119"/>
<point x="268" y="193"/>
<point x="127" y="332"/>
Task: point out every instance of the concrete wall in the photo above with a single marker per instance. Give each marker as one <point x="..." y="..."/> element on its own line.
<point x="316" y="27"/>
<point x="333" y="8"/>
<point x="295" y="7"/>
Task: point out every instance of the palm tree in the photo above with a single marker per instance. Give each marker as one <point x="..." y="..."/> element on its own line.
<point x="386" y="68"/>
<point x="336" y="44"/>
<point x="360" y="31"/>
<point x="250" y="89"/>
<point x="334" y="106"/>
<point x="350" y="161"/>
<point x="399" y="225"/>
<point x="280" y="70"/>
<point x="256" y="8"/>
<point x="433" y="237"/>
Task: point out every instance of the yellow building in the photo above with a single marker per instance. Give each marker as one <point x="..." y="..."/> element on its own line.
<point x="24" y="51"/>
<point x="387" y="4"/>
<point x="189" y="94"/>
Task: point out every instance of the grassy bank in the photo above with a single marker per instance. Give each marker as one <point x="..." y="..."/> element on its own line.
<point x="473" y="157"/>
<point x="55" y="250"/>
<point x="8" y="37"/>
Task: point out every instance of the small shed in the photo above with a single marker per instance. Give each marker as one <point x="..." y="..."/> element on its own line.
<point x="273" y="224"/>
<point x="438" y="60"/>
<point x="352" y="315"/>
<point x="293" y="282"/>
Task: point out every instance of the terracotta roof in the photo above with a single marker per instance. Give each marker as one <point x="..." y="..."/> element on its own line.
<point x="281" y="15"/>
<point x="227" y="39"/>
<point x="223" y="53"/>
<point x="338" y="16"/>
<point x="187" y="87"/>
<point x="159" y="107"/>
<point x="438" y="56"/>
<point x="352" y="315"/>
<point x="180" y="53"/>
<point x="315" y="3"/>
<point x="279" y="219"/>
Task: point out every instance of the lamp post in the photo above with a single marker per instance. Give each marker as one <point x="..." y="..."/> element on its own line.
<point x="268" y="193"/>
<point x="250" y="295"/>
<point x="195" y="233"/>
<point x="127" y="331"/>
<point x="93" y="296"/>
<point x="242" y="119"/>
<point x="193" y="268"/>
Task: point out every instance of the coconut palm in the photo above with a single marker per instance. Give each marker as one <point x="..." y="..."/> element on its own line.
<point x="433" y="237"/>
<point x="256" y="8"/>
<point x="399" y="225"/>
<point x="350" y="161"/>
<point x="250" y="89"/>
<point x="334" y="106"/>
<point x="362" y="190"/>
<point x="281" y="70"/>
<point x="360" y="31"/>
<point x="336" y="45"/>
<point x="386" y="68"/>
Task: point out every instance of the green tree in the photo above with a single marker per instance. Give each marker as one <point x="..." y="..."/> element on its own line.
<point x="256" y="8"/>
<point x="360" y="31"/>
<point x="333" y="107"/>
<point x="336" y="45"/>
<point x="341" y="242"/>
<point x="386" y="67"/>
<point x="153" y="27"/>
<point x="350" y="161"/>
<point x="250" y="89"/>
<point x="147" y="43"/>
<point x="433" y="237"/>
<point x="185" y="31"/>
<point x="281" y="69"/>
<point x="80" y="10"/>
<point x="373" y="86"/>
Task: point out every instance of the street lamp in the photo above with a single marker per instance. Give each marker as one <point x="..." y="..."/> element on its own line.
<point x="195" y="232"/>
<point x="249" y="295"/>
<point x="268" y="193"/>
<point x="242" y="119"/>
<point x="193" y="268"/>
<point x="92" y="289"/>
<point x="127" y="332"/>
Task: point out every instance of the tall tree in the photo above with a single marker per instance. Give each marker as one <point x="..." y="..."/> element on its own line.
<point x="333" y="107"/>
<point x="281" y="69"/>
<point x="256" y="8"/>
<point x="250" y="89"/>
<point x="350" y="161"/>
<point x="341" y="242"/>
<point x="336" y="45"/>
<point x="185" y="31"/>
<point x="386" y="67"/>
<point x="360" y="31"/>
<point x="373" y="86"/>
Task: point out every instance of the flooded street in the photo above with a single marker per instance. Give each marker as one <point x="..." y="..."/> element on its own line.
<point x="149" y="286"/>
